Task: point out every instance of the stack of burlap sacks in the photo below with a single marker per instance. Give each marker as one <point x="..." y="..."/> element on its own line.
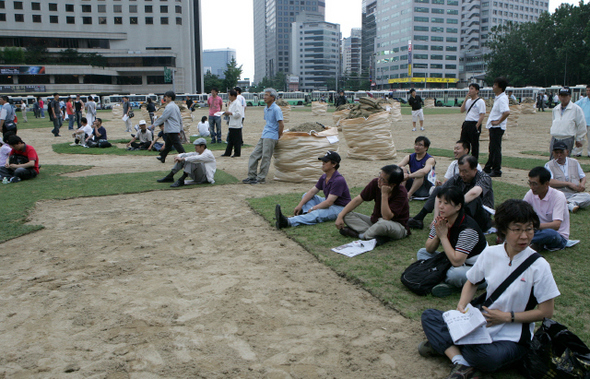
<point x="515" y="111"/>
<point x="319" y="108"/>
<point x="429" y="102"/>
<point x="528" y="106"/>
<point x="285" y="108"/>
<point x="117" y="111"/>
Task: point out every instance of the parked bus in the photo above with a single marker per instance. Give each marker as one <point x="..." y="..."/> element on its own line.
<point x="135" y="100"/>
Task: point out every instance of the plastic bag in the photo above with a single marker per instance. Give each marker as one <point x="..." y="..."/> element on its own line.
<point x="555" y="352"/>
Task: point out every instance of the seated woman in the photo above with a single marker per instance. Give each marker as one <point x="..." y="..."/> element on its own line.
<point x="511" y="318"/>
<point x="461" y="238"/>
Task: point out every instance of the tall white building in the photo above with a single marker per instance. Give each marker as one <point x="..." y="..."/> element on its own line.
<point x="315" y="54"/>
<point x="216" y="60"/>
<point x="351" y="53"/>
<point x="137" y="38"/>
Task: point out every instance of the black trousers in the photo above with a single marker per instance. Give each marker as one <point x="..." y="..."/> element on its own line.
<point x="469" y="132"/>
<point x="494" y="162"/>
<point x="171" y="139"/>
<point x="234" y="140"/>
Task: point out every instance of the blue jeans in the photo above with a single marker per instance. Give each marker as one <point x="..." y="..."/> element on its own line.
<point x="79" y="119"/>
<point x="215" y="122"/>
<point x="456" y="276"/>
<point x="71" y="121"/>
<point x="486" y="357"/>
<point x="549" y="239"/>
<point x="319" y="215"/>
<point x="57" y="123"/>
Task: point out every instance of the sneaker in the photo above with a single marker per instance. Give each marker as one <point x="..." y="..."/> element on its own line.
<point x="444" y="290"/>
<point x="74" y="144"/>
<point x="347" y="232"/>
<point x="178" y="183"/>
<point x="422" y="128"/>
<point x="415" y="224"/>
<point x="464" y="372"/>
<point x="425" y="349"/>
<point x="248" y="180"/>
<point x="256" y="181"/>
<point x="414" y="129"/>
<point x="573" y="207"/>
<point x="282" y="221"/>
<point x="14" y="179"/>
<point x="166" y="179"/>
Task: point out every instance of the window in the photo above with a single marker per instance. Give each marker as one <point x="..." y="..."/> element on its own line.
<point x="118" y="20"/>
<point x="133" y="9"/>
<point x="19" y="18"/>
<point x="163" y="8"/>
<point x="421" y="38"/>
<point x="436" y="65"/>
<point x="87" y="20"/>
<point x="452" y="2"/>
<point x="452" y="30"/>
<point x="70" y="20"/>
<point x="452" y="11"/>
<point x="53" y="7"/>
<point x="178" y="20"/>
<point x="36" y="6"/>
<point x="18" y="5"/>
<point x="420" y="65"/>
<point x="118" y="8"/>
<point x="164" y="20"/>
<point x="436" y="38"/>
<point x="438" y="2"/>
<point x="102" y="20"/>
<point x="437" y="20"/>
<point x="450" y="75"/>
<point x="178" y="9"/>
<point x="403" y="57"/>
<point x="451" y="48"/>
<point x="436" y="48"/>
<point x="452" y="21"/>
<point x="421" y="19"/>
<point x="436" y="57"/>
<point x="2" y="4"/>
<point x="149" y="20"/>
<point x="420" y="47"/>
<point x="437" y="10"/>
<point x="102" y="8"/>
<point x="419" y="74"/>
<point x="420" y="56"/>
<point x="436" y="29"/>
<point x="422" y="1"/>
<point x="149" y="9"/>
<point x="2" y="16"/>
<point x="451" y="39"/>
<point x="450" y="57"/>
<point x="133" y="21"/>
<point x="37" y="18"/>
<point x="451" y="66"/>
<point x="421" y="9"/>
<point x="69" y="7"/>
<point x="86" y="8"/>
<point x="421" y="28"/>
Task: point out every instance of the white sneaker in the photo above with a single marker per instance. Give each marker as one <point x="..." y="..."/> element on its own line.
<point x="422" y="128"/>
<point x="414" y="129"/>
<point x="74" y="144"/>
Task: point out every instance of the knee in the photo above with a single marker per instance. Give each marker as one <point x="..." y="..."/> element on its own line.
<point x="422" y="254"/>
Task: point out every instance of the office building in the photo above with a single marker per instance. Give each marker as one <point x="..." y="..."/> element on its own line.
<point x="137" y="40"/>
<point x="351" y="53"/>
<point x="369" y="30"/>
<point x="215" y="61"/>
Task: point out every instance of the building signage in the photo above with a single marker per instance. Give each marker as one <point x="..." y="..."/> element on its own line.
<point x="423" y="80"/>
<point x="22" y="70"/>
<point x="410" y="58"/>
<point x="20" y="89"/>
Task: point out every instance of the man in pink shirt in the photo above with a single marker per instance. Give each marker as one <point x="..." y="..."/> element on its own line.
<point x="551" y="207"/>
<point x="215" y="104"/>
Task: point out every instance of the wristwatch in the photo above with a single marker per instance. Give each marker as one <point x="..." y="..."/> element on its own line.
<point x="512" y="316"/>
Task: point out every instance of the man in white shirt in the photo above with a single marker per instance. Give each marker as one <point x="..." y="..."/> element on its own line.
<point x="476" y="111"/>
<point x="82" y="133"/>
<point x="584" y="103"/>
<point x="497" y="126"/>
<point x="90" y="110"/>
<point x="569" y="123"/>
<point x="235" y="112"/>
<point x="200" y="166"/>
<point x="568" y="177"/>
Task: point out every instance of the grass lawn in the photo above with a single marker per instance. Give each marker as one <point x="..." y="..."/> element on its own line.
<point x="379" y="271"/>
<point x="407" y="111"/>
<point x="51" y="185"/>
<point x="37" y="123"/>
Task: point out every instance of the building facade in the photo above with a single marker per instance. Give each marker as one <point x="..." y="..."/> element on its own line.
<point x="315" y="54"/>
<point x="369" y="30"/>
<point x="137" y="40"/>
<point x="351" y="53"/>
<point x="272" y="33"/>
<point x="215" y="61"/>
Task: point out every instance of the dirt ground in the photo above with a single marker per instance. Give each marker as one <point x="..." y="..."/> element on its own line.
<point x="130" y="287"/>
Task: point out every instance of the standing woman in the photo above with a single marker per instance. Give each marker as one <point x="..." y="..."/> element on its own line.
<point x="511" y="318"/>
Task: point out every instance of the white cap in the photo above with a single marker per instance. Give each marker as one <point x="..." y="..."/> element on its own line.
<point x="142" y="122"/>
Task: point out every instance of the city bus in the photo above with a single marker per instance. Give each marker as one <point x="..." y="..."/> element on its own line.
<point x="135" y="100"/>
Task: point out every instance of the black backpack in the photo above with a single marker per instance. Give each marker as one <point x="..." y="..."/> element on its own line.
<point x="421" y="276"/>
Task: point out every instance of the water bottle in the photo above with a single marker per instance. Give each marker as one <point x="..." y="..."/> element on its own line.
<point x="5" y="180"/>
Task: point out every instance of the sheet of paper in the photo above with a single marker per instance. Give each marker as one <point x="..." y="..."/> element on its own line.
<point x="332" y="139"/>
<point x="218" y="114"/>
<point x="355" y="248"/>
<point x="125" y="118"/>
<point x="465" y="328"/>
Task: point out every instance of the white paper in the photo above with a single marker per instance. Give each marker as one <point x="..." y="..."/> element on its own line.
<point x="355" y="248"/>
<point x="332" y="139"/>
<point x="125" y="118"/>
<point x="467" y="328"/>
<point x="218" y="114"/>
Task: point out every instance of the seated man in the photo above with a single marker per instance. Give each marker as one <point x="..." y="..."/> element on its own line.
<point x="475" y="185"/>
<point x="98" y="135"/>
<point x="82" y="133"/>
<point x="419" y="165"/>
<point x="462" y="147"/>
<point x="23" y="162"/>
<point x="5" y="148"/>
<point x="460" y="237"/>
<point x="313" y="208"/>
<point x="390" y="212"/>
<point x="568" y="177"/>
<point x="155" y="145"/>
<point x="200" y="165"/>
<point x="143" y="135"/>
<point x="551" y="207"/>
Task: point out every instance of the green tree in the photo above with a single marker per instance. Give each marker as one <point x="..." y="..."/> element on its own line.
<point x="232" y="74"/>
<point x="13" y="55"/>
<point x="38" y="54"/>
<point x="211" y="81"/>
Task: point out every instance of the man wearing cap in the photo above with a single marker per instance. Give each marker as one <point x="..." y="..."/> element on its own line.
<point x="144" y="136"/>
<point x="584" y="103"/>
<point x="200" y="166"/>
<point x="312" y="208"/>
<point x="569" y="123"/>
<point x="568" y="177"/>
<point x="172" y="120"/>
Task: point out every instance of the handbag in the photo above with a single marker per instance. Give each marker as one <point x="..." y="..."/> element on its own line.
<point x="421" y="276"/>
<point x="130" y="113"/>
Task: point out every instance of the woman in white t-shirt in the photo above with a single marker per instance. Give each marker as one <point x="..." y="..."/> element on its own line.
<point x="203" y="127"/>
<point x="511" y="318"/>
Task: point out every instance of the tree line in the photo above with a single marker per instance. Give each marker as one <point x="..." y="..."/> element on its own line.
<point x="39" y="55"/>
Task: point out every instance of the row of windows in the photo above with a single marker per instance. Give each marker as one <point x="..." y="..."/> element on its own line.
<point x="434" y="38"/>
<point x="442" y="2"/>
<point x="530" y="2"/>
<point x="435" y="29"/>
<point x="88" y="20"/>
<point x="87" y="8"/>
<point x="436" y="20"/>
<point x="435" y="47"/>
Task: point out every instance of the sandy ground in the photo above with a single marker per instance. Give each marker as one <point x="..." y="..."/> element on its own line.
<point x="125" y="290"/>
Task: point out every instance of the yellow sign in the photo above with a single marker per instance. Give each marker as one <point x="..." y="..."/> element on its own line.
<point x="422" y="80"/>
<point x="410" y="70"/>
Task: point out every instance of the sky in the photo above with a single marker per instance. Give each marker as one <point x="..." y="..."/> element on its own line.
<point x="232" y="25"/>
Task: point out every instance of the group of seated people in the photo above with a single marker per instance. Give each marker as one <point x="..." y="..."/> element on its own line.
<point x="18" y="161"/>
<point x="94" y="135"/>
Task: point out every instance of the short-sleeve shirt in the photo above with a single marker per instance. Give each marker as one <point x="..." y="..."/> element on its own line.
<point x="482" y="180"/>
<point x="102" y="131"/>
<point x="453" y="169"/>
<point x="500" y="106"/>
<point x="215" y="105"/>
<point x="272" y="116"/>
<point x="478" y="108"/>
<point x="144" y="137"/>
<point x="494" y="266"/>
<point x="416" y="103"/>
<point x="336" y="186"/>
<point x="398" y="202"/>
<point x="465" y="236"/>
<point x="551" y="208"/>
<point x="30" y="153"/>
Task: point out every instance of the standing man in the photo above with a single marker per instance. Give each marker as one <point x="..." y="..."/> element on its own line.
<point x="55" y="110"/>
<point x="273" y="130"/>
<point x="569" y="123"/>
<point x="189" y="103"/>
<point x="242" y="101"/>
<point x="551" y="207"/>
<point x="215" y="104"/>
<point x="172" y="120"/>
<point x="497" y="126"/>
<point x="6" y="115"/>
<point x="90" y="110"/>
<point x="234" y="135"/>
<point x="584" y="103"/>
<point x="417" y="114"/>
<point x="340" y="100"/>
<point x="126" y="109"/>
<point x="79" y="105"/>
<point x="476" y="111"/>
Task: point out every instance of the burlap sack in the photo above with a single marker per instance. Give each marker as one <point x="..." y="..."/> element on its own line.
<point x="145" y="115"/>
<point x="318" y="108"/>
<point x="339" y="115"/>
<point x="370" y="138"/>
<point x="395" y="112"/>
<point x="296" y="155"/>
<point x="286" y="113"/>
<point x="117" y="111"/>
<point x="528" y="106"/>
<point x="512" y="120"/>
<point x="429" y="102"/>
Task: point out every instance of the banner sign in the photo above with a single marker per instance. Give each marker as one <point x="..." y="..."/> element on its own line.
<point x="22" y="70"/>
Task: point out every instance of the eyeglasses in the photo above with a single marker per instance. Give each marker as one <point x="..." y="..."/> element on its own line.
<point x="533" y="184"/>
<point x="519" y="231"/>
